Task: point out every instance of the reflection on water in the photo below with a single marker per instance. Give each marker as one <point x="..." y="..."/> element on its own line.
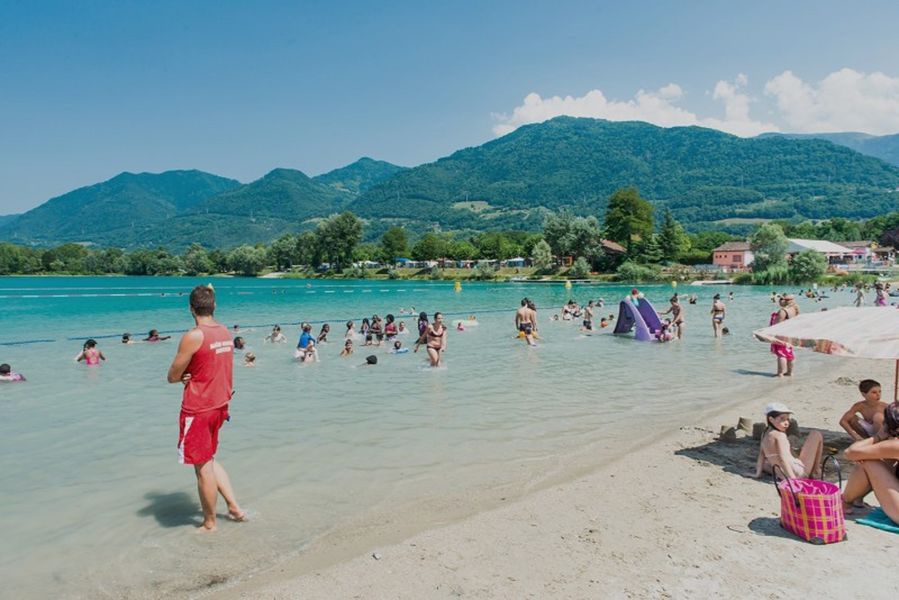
<point x="95" y="502"/>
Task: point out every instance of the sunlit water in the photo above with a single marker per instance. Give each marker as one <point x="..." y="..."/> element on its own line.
<point x="95" y="504"/>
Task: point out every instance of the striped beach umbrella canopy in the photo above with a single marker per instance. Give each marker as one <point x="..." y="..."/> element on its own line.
<point x="871" y="332"/>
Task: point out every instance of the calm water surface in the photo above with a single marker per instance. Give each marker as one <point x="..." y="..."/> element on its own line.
<point x="95" y="504"/>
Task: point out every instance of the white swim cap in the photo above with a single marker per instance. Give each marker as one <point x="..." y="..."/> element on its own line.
<point x="777" y="407"/>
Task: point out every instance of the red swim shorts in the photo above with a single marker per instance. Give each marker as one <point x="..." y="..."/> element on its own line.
<point x="198" y="436"/>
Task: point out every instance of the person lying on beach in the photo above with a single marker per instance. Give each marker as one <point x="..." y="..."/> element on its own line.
<point x="775" y="447"/>
<point x="347" y="348"/>
<point x="276" y="337"/>
<point x="154" y="336"/>
<point x="90" y="354"/>
<point x="864" y="418"/>
<point x="7" y="375"/>
<point x="875" y="470"/>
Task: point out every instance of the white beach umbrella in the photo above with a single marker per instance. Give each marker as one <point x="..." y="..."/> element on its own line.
<point x="850" y="332"/>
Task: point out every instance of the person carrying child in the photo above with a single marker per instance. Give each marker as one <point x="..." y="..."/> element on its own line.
<point x="864" y="418"/>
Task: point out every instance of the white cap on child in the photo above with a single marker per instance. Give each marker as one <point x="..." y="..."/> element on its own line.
<point x="777" y="407"/>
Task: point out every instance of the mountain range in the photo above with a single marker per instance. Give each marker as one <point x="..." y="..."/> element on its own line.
<point x="708" y="179"/>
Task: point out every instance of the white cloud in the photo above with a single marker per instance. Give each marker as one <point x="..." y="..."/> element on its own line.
<point x="658" y="107"/>
<point x="845" y="100"/>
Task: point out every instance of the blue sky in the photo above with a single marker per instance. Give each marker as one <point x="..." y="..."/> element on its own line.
<point x="90" y="89"/>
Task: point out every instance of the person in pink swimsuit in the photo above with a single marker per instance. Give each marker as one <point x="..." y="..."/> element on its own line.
<point x="90" y="354"/>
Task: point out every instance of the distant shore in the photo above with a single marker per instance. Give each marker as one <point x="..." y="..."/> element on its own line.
<point x="676" y="518"/>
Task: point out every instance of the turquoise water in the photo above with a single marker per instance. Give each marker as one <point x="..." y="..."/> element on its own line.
<point x="95" y="504"/>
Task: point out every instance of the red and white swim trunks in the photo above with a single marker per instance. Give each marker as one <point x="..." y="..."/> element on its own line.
<point x="198" y="436"/>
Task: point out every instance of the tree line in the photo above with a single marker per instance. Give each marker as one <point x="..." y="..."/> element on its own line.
<point x="337" y="242"/>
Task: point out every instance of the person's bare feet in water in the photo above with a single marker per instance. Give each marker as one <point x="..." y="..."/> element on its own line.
<point x="237" y="514"/>
<point x="206" y="527"/>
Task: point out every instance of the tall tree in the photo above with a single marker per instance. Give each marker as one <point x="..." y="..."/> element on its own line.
<point x="769" y="247"/>
<point x="337" y="237"/>
<point x="628" y="217"/>
<point x="394" y="243"/>
<point x="282" y="252"/>
<point x="673" y="241"/>
<point x="429" y="247"/>
<point x="542" y="256"/>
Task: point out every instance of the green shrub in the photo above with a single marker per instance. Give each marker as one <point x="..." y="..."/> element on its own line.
<point x="632" y="272"/>
<point x="580" y="269"/>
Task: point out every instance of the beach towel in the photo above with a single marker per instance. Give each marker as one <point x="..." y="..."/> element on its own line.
<point x="879" y="520"/>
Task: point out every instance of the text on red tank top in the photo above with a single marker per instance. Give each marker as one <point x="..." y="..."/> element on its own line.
<point x="210" y="369"/>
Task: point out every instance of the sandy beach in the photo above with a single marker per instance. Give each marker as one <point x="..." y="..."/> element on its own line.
<point x="676" y="518"/>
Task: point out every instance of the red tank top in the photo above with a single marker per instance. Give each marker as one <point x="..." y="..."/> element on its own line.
<point x="210" y="371"/>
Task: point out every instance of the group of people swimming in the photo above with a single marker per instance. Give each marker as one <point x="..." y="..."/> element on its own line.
<point x="374" y="332"/>
<point x="873" y="426"/>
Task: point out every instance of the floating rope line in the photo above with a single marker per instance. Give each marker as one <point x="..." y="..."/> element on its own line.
<point x="106" y="336"/>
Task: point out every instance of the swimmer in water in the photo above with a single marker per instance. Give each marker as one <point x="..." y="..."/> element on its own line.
<point x="422" y="330"/>
<point x="436" y="340"/>
<point x="677" y="314"/>
<point x="126" y="338"/>
<point x="249" y="360"/>
<point x="524" y="323"/>
<point x="154" y="336"/>
<point x="276" y="337"/>
<point x="350" y="333"/>
<point x="390" y="329"/>
<point x="323" y="334"/>
<point x="347" y="348"/>
<point x="402" y="329"/>
<point x="239" y="343"/>
<point x="460" y="326"/>
<point x="7" y="375"/>
<point x="398" y="348"/>
<point x="717" y="312"/>
<point x="90" y="354"/>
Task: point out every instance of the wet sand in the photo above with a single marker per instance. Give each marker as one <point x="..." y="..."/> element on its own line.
<point x="676" y="518"/>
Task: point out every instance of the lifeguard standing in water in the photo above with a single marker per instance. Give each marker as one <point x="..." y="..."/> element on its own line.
<point x="204" y="364"/>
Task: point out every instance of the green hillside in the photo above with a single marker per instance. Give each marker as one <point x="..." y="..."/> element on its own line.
<point x="282" y="194"/>
<point x="884" y="147"/>
<point x="103" y="212"/>
<point x="360" y="176"/>
<point x="703" y="175"/>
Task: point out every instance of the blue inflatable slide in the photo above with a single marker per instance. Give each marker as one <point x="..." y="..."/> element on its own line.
<point x="638" y="316"/>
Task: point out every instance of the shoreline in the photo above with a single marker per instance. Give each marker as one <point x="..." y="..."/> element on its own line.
<point x="581" y="537"/>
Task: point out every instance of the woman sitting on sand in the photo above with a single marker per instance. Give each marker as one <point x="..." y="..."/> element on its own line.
<point x="775" y="447"/>
<point x="876" y="466"/>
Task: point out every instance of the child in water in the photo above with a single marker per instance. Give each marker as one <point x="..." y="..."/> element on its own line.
<point x="126" y="338"/>
<point x="775" y="447"/>
<point x="398" y="348"/>
<point x="865" y="418"/>
<point x="90" y="354"/>
<point x="154" y="336"/>
<point x="7" y="375"/>
<point x="347" y="348"/>
<point x="249" y="360"/>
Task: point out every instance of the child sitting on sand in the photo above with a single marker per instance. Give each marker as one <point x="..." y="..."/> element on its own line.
<point x="864" y="418"/>
<point x="775" y="447"/>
